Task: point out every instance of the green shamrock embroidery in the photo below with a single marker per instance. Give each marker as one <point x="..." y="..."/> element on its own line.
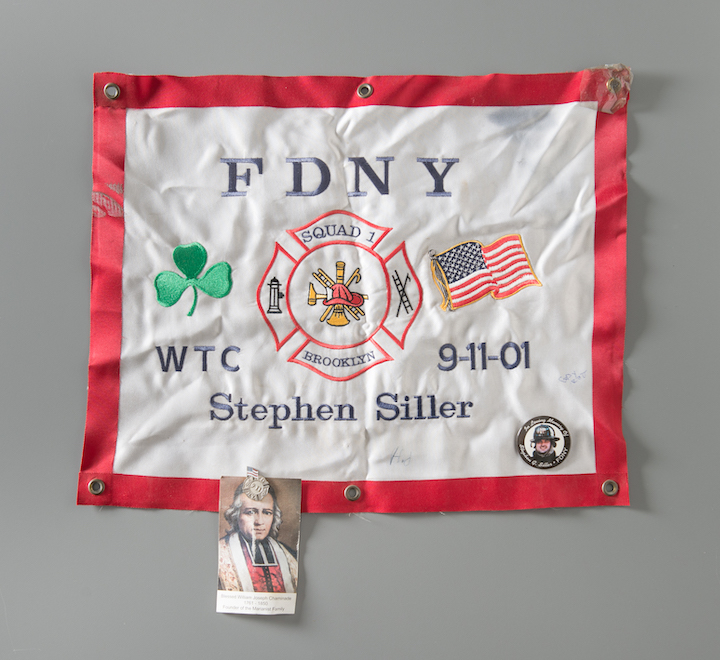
<point x="190" y="260"/>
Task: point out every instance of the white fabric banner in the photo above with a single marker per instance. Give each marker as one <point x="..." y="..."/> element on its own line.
<point x="375" y="292"/>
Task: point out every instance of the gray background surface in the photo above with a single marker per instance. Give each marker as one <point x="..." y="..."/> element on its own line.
<point x="641" y="582"/>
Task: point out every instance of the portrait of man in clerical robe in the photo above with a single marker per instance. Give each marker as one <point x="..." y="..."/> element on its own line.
<point x="251" y="557"/>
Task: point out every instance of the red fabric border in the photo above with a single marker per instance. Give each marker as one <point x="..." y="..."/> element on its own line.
<point x="498" y="493"/>
<point x="610" y="291"/>
<point x="479" y="494"/>
<point x="106" y="258"/>
<point x="336" y="91"/>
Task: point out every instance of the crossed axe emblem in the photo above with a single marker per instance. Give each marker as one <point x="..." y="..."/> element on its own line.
<point x="340" y="301"/>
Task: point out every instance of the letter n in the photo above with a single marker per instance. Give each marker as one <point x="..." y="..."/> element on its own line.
<point x="361" y="164"/>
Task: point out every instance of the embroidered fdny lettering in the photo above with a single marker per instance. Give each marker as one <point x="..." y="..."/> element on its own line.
<point x="383" y="187"/>
<point x="234" y="177"/>
<point x="297" y="190"/>
<point x="439" y="179"/>
<point x="381" y="182"/>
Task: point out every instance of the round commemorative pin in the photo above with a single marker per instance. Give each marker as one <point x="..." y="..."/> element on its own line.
<point x="543" y="442"/>
<point x="256" y="488"/>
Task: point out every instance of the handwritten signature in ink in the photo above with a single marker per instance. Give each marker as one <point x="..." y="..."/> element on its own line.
<point x="573" y="377"/>
<point x="399" y="458"/>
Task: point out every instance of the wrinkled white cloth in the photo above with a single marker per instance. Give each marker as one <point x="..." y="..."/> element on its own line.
<point x="521" y="170"/>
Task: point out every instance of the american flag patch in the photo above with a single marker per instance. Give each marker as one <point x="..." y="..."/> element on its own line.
<point x="470" y="271"/>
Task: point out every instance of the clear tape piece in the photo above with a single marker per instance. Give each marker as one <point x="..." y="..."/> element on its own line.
<point x="609" y="85"/>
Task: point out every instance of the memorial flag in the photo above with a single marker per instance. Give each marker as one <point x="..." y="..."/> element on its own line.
<point x="406" y="291"/>
<point x="470" y="271"/>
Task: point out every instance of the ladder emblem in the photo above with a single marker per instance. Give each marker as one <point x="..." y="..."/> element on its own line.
<point x="400" y="286"/>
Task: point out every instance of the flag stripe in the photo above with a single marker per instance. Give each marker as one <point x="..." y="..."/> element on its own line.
<point x="486" y="287"/>
<point x="499" y="259"/>
<point x="497" y="250"/>
<point x="512" y="274"/>
<point x="474" y="289"/>
<point x="475" y="280"/>
<point x="527" y="280"/>
<point x="501" y="275"/>
<point x="475" y="295"/>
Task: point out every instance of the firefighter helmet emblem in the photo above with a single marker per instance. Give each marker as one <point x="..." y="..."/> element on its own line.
<point x="338" y="299"/>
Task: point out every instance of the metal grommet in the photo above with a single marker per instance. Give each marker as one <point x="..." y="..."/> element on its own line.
<point x="111" y="91"/>
<point x="610" y="487"/>
<point x="365" y="90"/>
<point x="352" y="493"/>
<point x="614" y="85"/>
<point x="96" y="486"/>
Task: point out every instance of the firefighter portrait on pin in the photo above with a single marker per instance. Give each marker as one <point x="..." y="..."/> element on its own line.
<point x="543" y="442"/>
